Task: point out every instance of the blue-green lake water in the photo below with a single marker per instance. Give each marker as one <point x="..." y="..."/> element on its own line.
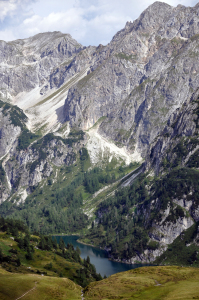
<point x="98" y="257"/>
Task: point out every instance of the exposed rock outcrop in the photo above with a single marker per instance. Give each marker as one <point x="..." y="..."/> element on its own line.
<point x="148" y="70"/>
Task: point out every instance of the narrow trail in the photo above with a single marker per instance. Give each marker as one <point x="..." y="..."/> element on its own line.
<point x="27" y="292"/>
<point x="82" y="295"/>
<point x="157" y="283"/>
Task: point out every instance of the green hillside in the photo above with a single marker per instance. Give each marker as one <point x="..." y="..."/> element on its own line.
<point x="14" y="286"/>
<point x="147" y="283"/>
<point x="21" y="252"/>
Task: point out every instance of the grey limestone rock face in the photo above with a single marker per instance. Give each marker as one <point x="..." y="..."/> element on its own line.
<point x="136" y="82"/>
<point x="26" y="168"/>
<point x="164" y="231"/>
<point x="148" y="256"/>
<point x="8" y="142"/>
<point x="147" y="71"/>
<point x="173" y="149"/>
<point x="163" y="234"/>
<point x="26" y="64"/>
<point x="181" y="127"/>
<point x="8" y="134"/>
<point x="23" y="166"/>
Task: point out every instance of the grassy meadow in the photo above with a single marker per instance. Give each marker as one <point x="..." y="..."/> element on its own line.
<point x="47" y="277"/>
<point x="147" y="283"/>
<point x="43" y="262"/>
<point x="14" y="286"/>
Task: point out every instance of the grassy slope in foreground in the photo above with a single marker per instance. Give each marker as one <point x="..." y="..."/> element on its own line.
<point x="168" y="282"/>
<point x="13" y="286"/>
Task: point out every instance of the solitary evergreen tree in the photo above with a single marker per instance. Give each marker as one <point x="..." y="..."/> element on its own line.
<point x="61" y="244"/>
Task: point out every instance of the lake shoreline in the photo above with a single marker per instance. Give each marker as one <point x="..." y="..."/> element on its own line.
<point x="101" y="258"/>
<point x="83" y="243"/>
<point x="110" y="258"/>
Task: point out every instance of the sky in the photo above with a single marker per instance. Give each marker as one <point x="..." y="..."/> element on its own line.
<point x="90" y="22"/>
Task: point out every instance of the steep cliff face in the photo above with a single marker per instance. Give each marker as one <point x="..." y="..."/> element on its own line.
<point x="160" y="210"/>
<point x="135" y="83"/>
<point x="36" y="73"/>
<point x="26" y="64"/>
<point x="177" y="144"/>
<point x="26" y="158"/>
<point x="28" y="167"/>
<point x="174" y="203"/>
<point x="8" y="131"/>
<point x="12" y="120"/>
<point x="147" y="71"/>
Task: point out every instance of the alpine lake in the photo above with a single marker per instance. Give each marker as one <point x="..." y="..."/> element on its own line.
<point x="98" y="257"/>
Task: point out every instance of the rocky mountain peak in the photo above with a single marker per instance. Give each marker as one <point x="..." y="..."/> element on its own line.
<point x="152" y="17"/>
<point x="130" y="85"/>
<point x="132" y="82"/>
<point x="165" y="21"/>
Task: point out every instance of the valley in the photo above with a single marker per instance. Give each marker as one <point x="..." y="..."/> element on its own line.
<point x="103" y="142"/>
<point x="37" y="266"/>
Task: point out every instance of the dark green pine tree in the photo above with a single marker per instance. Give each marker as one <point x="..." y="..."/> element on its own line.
<point x="61" y="244"/>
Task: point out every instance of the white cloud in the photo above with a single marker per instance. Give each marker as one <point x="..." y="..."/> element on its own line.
<point x="62" y="21"/>
<point x="7" y="35"/>
<point x="11" y="8"/>
<point x="88" y="21"/>
<point x="6" y="9"/>
<point x="89" y="24"/>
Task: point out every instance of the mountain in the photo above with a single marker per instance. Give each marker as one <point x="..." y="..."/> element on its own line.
<point x="146" y="72"/>
<point x="103" y="141"/>
<point x="155" y="219"/>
